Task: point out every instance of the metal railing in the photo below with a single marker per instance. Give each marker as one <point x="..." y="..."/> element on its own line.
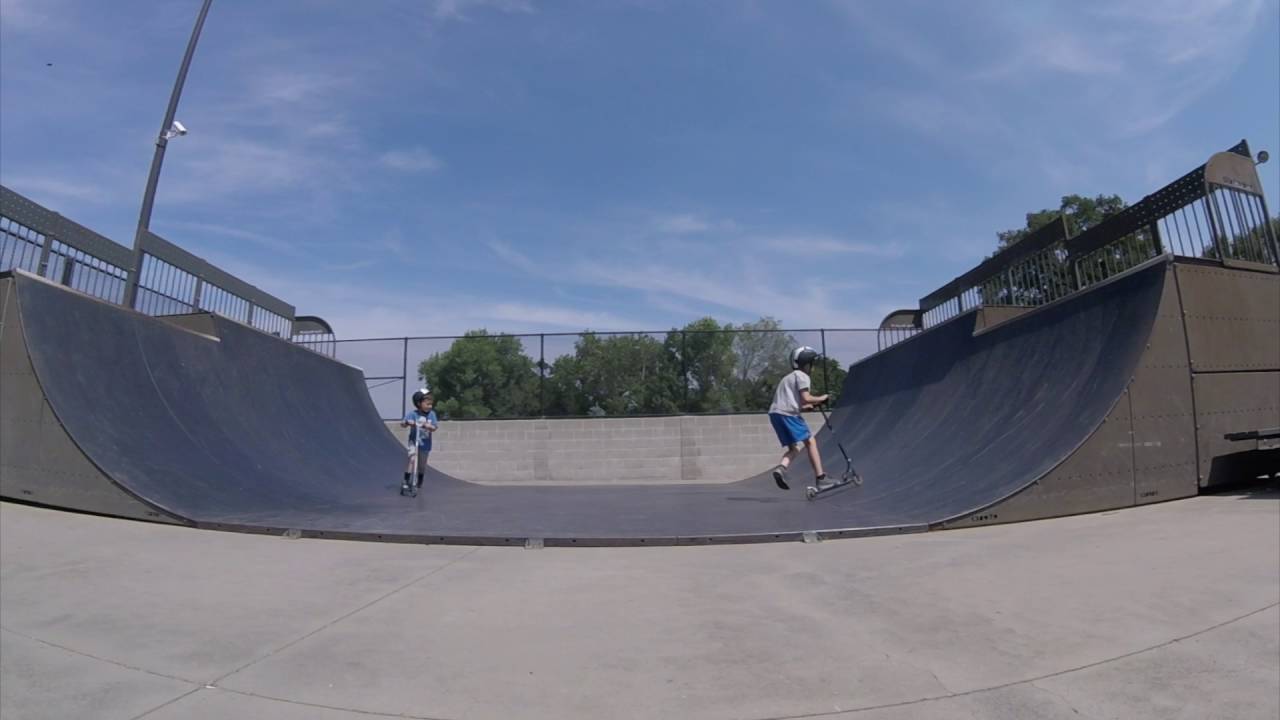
<point x="171" y="281"/>
<point x="48" y="245"/>
<point x="673" y="372"/>
<point x="1216" y="212"/>
<point x="889" y="335"/>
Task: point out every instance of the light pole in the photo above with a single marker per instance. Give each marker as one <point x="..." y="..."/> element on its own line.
<point x="169" y="129"/>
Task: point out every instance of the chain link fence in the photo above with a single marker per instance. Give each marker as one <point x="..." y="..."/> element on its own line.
<point x="479" y="376"/>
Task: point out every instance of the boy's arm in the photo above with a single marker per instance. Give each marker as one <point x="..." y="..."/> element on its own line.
<point x="811" y="401"/>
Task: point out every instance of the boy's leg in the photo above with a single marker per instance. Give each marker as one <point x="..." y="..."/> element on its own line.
<point x="784" y="436"/>
<point x="408" y="486"/>
<point x="780" y="472"/>
<point x="422" y="464"/>
<point x="787" y="456"/>
<point x="815" y="459"/>
<point x="784" y="428"/>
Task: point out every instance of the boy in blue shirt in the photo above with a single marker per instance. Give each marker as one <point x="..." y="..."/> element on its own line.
<point x="789" y="399"/>
<point x="422" y="422"/>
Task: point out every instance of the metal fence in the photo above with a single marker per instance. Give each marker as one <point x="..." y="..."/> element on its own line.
<point x="598" y="374"/>
<point x="171" y="281"/>
<point x="892" y="334"/>
<point x="26" y="248"/>
<point x="1216" y="212"/>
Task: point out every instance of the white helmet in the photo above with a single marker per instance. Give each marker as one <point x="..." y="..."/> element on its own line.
<point x="417" y="396"/>
<point x="803" y="355"/>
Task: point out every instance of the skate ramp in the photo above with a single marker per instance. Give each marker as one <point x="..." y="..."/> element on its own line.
<point x="239" y="430"/>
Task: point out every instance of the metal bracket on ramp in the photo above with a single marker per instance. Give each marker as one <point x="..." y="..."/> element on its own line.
<point x="1264" y="439"/>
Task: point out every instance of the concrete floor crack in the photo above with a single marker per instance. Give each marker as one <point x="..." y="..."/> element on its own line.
<point x="948" y="691"/>
<point x="1063" y="698"/>
<point x="340" y="618"/>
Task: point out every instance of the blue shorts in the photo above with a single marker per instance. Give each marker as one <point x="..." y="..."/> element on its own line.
<point x="789" y="428"/>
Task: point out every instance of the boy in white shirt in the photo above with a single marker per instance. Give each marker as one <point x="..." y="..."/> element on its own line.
<point x="791" y="397"/>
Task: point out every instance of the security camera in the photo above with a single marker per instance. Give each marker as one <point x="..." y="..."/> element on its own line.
<point x="1263" y="156"/>
<point x="177" y="129"/>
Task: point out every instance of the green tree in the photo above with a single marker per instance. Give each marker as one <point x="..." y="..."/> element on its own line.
<point x="1046" y="277"/>
<point x="702" y="352"/>
<point x="828" y="377"/>
<point x="482" y="376"/>
<point x="1252" y="245"/>
<point x="614" y="375"/>
<point x="1080" y="213"/>
<point x="762" y="354"/>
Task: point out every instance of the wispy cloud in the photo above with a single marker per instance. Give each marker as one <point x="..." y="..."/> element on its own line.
<point x="219" y="167"/>
<point x="266" y="241"/>
<point x="282" y="89"/>
<point x="393" y="242"/>
<point x="328" y="129"/>
<point x="24" y="14"/>
<point x="681" y="224"/>
<point x="747" y="291"/>
<point x="827" y="245"/>
<point x="459" y="9"/>
<point x="56" y="189"/>
<point x="514" y="258"/>
<point x="411" y="160"/>
<point x="1054" y="80"/>
<point x="353" y="265"/>
<point x="735" y="274"/>
<point x="531" y="316"/>
<point x="280" y="121"/>
<point x="356" y="310"/>
<point x="293" y="86"/>
<point x="1061" y="51"/>
<point x="698" y="223"/>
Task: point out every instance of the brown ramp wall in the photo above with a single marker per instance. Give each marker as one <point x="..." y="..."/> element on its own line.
<point x="1233" y="331"/>
<point x="1211" y="366"/>
<point x="1144" y="450"/>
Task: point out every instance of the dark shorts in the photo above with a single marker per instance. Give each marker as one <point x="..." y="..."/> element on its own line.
<point x="789" y="428"/>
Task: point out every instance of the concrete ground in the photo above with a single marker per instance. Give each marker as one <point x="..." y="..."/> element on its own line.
<point x="1169" y="611"/>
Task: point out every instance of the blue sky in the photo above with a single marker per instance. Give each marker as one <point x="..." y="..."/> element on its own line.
<point x="429" y="166"/>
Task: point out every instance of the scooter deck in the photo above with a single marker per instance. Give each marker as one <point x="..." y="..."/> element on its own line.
<point x="812" y="492"/>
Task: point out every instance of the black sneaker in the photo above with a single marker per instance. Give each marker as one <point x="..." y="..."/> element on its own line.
<point x="780" y="477"/>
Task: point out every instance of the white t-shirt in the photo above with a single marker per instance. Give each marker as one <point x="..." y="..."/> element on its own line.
<point x="786" y="399"/>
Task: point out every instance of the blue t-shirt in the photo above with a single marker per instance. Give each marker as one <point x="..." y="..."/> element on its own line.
<point x="424" y="442"/>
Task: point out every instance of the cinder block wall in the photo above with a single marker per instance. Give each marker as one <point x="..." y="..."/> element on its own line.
<point x="664" y="450"/>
